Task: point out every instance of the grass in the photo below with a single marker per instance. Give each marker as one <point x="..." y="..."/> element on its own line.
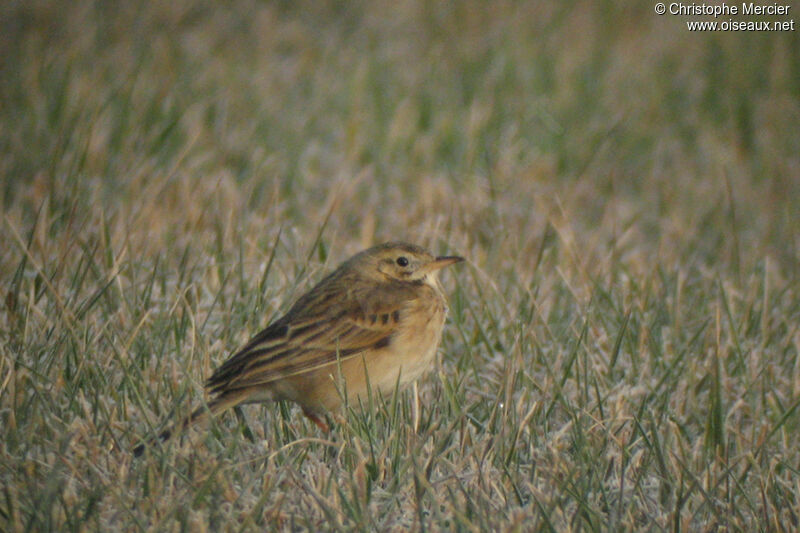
<point x="622" y="351"/>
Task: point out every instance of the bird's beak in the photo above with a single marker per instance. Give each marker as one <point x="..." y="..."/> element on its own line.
<point x="443" y="261"/>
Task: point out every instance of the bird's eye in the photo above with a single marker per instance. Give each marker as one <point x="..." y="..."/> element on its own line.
<point x="402" y="261"/>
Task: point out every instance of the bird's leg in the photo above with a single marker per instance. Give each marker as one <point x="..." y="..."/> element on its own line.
<point x="318" y="420"/>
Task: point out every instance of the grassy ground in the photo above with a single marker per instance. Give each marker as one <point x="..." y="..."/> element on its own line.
<point x="623" y="348"/>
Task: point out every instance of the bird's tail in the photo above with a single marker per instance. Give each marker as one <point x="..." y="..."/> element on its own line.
<point x="199" y="416"/>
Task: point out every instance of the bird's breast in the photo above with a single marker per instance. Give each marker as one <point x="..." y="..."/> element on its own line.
<point x="413" y="347"/>
<point x="406" y="354"/>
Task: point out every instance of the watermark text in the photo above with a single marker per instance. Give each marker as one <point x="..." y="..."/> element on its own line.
<point x="746" y="16"/>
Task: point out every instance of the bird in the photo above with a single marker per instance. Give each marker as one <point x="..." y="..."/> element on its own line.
<point x="373" y="324"/>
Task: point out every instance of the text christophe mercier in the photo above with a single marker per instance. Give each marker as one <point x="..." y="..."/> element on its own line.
<point x="723" y="9"/>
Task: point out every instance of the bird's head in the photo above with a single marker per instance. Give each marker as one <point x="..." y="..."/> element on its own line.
<point x="405" y="262"/>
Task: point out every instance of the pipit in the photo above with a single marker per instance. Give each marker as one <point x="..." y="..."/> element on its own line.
<point x="372" y="324"/>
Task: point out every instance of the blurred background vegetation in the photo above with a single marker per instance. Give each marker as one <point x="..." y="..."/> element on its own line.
<point x="617" y="182"/>
<point x="507" y="102"/>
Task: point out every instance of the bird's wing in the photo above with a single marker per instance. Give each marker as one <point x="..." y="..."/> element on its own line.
<point x="305" y="340"/>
